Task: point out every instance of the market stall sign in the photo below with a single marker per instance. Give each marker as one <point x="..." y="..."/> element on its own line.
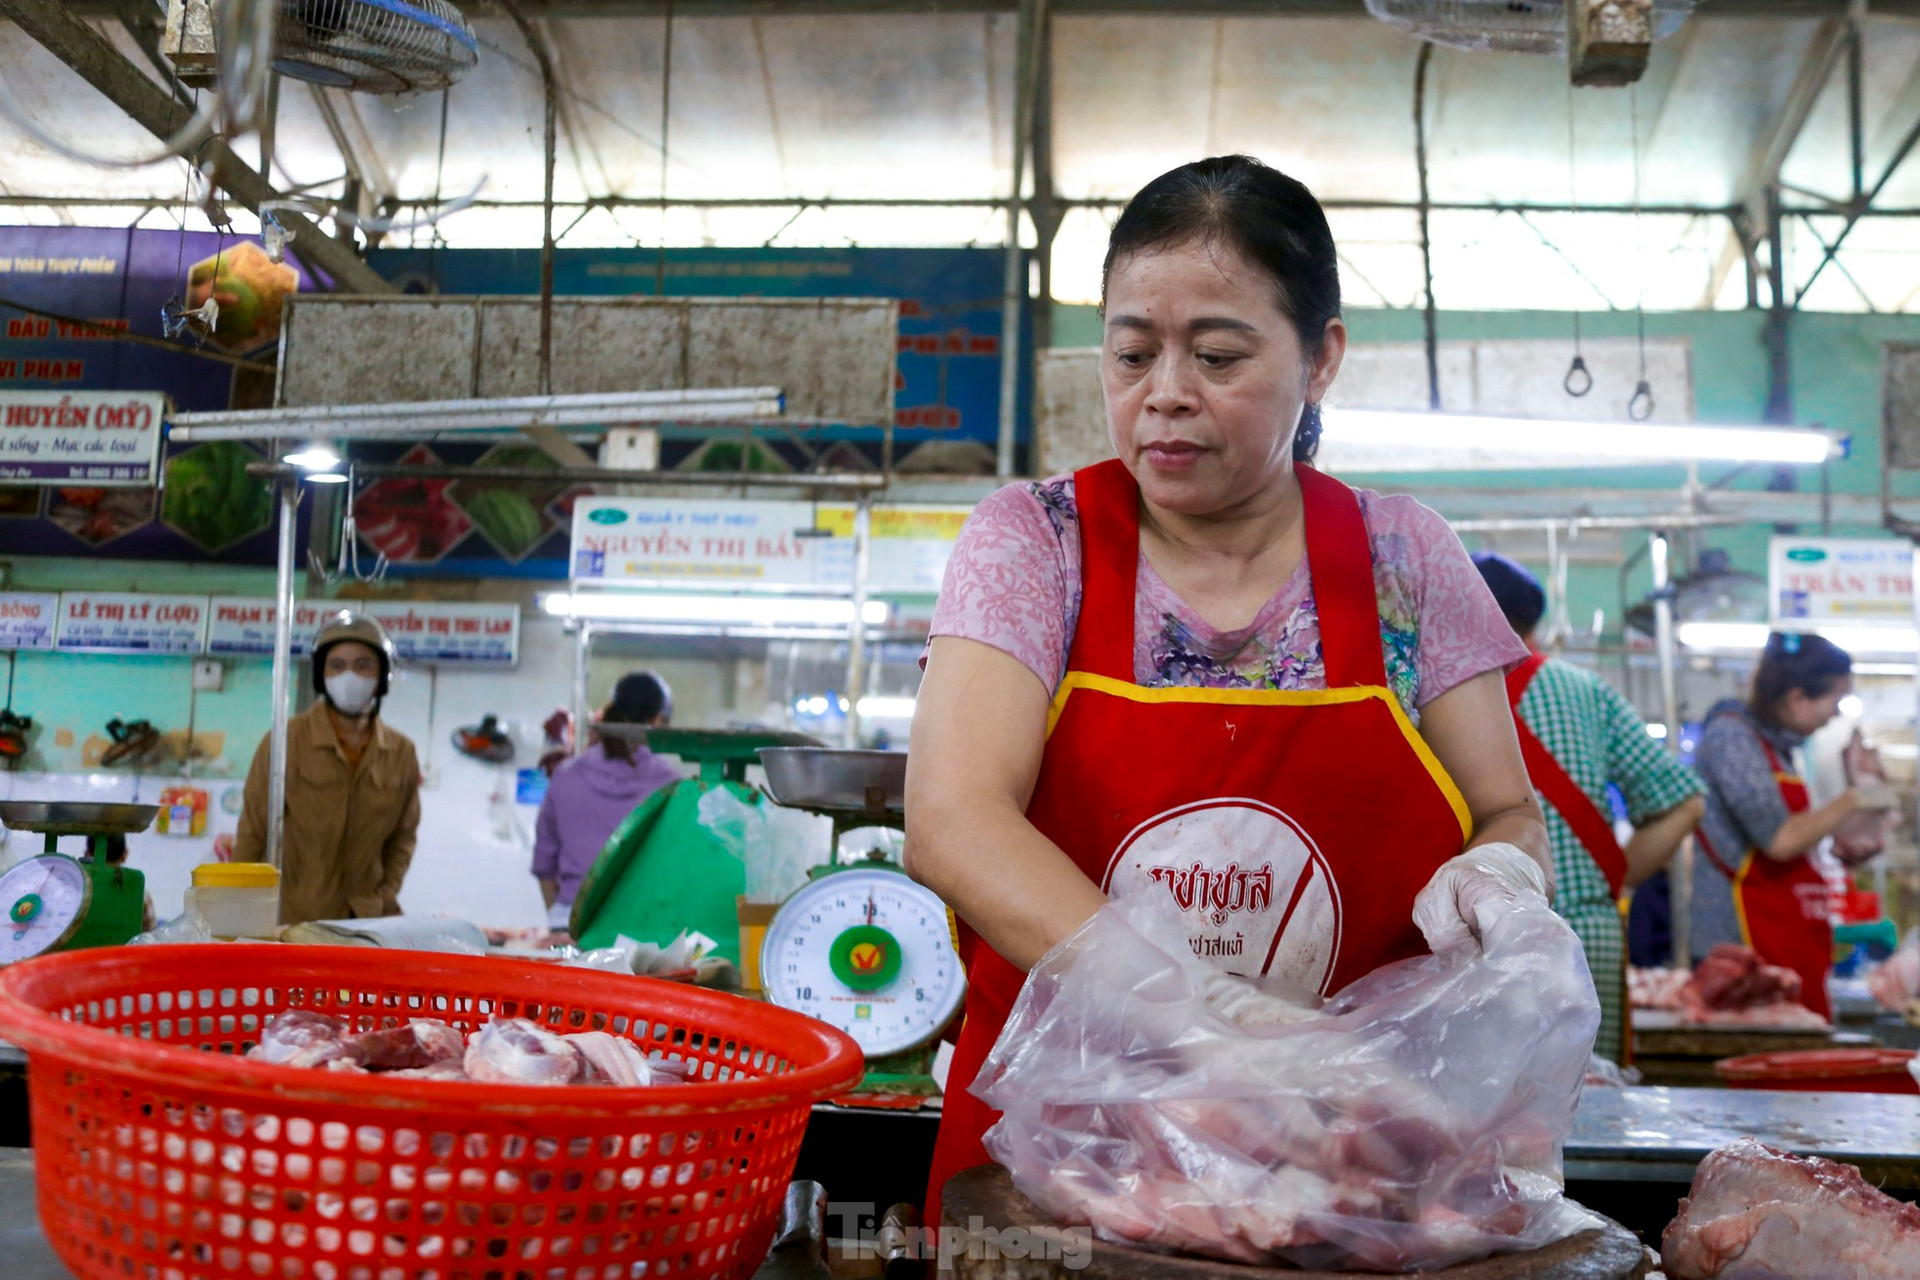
<point x="733" y="545"/>
<point x="1815" y="582"/>
<point x="28" y="619"/>
<point x="96" y="439"/>
<point x="470" y="634"/>
<point x="909" y="551"/>
<point x="467" y="634"/>
<point x="711" y="544"/>
<point x="123" y="622"/>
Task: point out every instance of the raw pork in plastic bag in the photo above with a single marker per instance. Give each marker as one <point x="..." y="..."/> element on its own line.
<point x="1415" y="1123"/>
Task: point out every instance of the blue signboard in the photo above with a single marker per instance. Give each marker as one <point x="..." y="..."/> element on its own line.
<point x="948" y="384"/>
<point x="121" y="278"/>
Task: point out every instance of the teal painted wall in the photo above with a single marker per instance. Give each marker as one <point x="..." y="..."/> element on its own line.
<point x="71" y="697"/>
<point x="1836" y="365"/>
<point x="1836" y="381"/>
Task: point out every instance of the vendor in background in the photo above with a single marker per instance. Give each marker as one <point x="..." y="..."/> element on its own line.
<point x="353" y="786"/>
<point x="1578" y="735"/>
<point x="592" y="794"/>
<point x="1759" y="880"/>
<point x="1198" y="668"/>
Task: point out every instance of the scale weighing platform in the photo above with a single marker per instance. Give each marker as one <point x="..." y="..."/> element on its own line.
<point x="862" y="947"/>
<point x="53" y="902"/>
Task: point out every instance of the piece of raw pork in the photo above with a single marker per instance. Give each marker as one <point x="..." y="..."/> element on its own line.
<point x="1759" y="1214"/>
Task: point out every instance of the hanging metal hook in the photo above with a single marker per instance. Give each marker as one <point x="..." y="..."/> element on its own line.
<point x="1640" y="407"/>
<point x="347" y="564"/>
<point x="273" y="235"/>
<point x="1579" y="379"/>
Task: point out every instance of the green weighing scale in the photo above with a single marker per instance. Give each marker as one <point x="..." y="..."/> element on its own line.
<point x="57" y="903"/>
<point x="661" y="870"/>
<point x="862" y="947"/>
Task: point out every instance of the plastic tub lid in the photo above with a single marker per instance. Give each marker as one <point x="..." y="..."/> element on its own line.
<point x="236" y="875"/>
<point x="1816" y="1064"/>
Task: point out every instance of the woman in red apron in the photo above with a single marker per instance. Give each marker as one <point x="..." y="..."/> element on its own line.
<point x="1285" y="802"/>
<point x="1756" y="882"/>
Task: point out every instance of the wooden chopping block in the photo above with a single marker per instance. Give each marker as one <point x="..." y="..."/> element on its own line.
<point x="986" y="1195"/>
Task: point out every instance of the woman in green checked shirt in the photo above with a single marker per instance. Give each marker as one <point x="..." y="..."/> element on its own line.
<point x="1578" y="735"/>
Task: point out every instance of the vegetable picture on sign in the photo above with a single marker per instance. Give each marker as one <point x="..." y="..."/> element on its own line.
<point x="423" y="520"/>
<point x="510" y="514"/>
<point x="211" y="500"/>
<point x="251" y="290"/>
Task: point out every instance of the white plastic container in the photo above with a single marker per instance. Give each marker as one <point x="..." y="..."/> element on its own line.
<point x="237" y="899"/>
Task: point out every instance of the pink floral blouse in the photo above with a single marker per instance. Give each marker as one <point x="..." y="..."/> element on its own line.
<point x="1014" y="583"/>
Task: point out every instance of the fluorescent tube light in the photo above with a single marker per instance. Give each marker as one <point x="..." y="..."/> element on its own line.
<point x="325" y="477"/>
<point x="1723" y="635"/>
<point x="877" y="707"/>
<point x="314" y="457"/>
<point x="1632" y="441"/>
<point x="1658" y="731"/>
<point x="411" y="419"/>
<point x="1908" y="669"/>
<point x="772" y="611"/>
<point x="1874" y="639"/>
<point x="1753" y="635"/>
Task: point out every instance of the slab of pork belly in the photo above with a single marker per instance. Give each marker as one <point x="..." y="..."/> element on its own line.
<point x="1759" y="1214"/>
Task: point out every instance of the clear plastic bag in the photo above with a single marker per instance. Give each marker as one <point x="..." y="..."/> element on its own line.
<point x="778" y="845"/>
<point x="1416" y="1123"/>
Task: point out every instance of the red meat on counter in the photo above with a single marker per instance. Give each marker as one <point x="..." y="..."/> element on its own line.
<point x="1759" y="1214"/>
<point x="1734" y="985"/>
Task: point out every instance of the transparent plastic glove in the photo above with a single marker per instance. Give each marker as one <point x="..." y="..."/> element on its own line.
<point x="1468" y="893"/>
<point x="1876" y="797"/>
<point x="1242" y="1003"/>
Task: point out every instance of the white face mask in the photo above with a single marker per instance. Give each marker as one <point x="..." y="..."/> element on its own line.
<point x="350" y="692"/>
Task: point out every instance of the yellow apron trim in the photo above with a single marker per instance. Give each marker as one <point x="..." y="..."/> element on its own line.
<point x="1739" y="903"/>
<point x="1273" y="698"/>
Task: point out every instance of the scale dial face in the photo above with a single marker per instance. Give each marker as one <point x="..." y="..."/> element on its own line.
<point x="44" y="899"/>
<point x="866" y="950"/>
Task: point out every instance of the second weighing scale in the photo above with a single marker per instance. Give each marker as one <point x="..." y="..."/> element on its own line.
<point x="53" y="902"/>
<point x="862" y="947"/>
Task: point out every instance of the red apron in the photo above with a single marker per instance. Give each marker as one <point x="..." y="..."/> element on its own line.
<point x="1293" y="828"/>
<point x="1590" y="827"/>
<point x="1784" y="907"/>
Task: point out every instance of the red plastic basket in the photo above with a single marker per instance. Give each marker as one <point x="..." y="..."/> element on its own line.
<point x="1874" y="1070"/>
<point x="161" y="1154"/>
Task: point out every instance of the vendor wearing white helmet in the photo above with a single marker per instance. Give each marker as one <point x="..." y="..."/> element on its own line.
<point x="353" y="786"/>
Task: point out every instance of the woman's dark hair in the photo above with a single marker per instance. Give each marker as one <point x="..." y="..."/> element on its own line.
<point x="1809" y="663"/>
<point x="639" y="698"/>
<point x="1269" y="219"/>
<point x="1518" y="593"/>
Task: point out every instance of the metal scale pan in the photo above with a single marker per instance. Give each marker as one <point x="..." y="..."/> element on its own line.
<point x="76" y="817"/>
<point x="836" y="782"/>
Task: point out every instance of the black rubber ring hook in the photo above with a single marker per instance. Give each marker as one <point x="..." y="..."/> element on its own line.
<point x="1640" y="407"/>
<point x="1579" y="379"/>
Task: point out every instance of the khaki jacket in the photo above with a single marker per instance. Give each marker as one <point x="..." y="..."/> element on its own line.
<point x="349" y="833"/>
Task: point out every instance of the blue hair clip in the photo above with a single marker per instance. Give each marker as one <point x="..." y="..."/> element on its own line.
<point x="1790" y="643"/>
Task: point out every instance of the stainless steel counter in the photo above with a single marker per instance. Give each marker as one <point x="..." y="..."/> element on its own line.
<point x="1659" y="1135"/>
<point x="27" y="1254"/>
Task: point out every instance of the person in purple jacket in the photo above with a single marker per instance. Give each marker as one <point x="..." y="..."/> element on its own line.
<point x="592" y="794"/>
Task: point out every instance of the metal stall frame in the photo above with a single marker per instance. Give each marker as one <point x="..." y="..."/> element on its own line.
<point x="1660" y="527"/>
<point x="857" y="634"/>
<point x="288" y="479"/>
